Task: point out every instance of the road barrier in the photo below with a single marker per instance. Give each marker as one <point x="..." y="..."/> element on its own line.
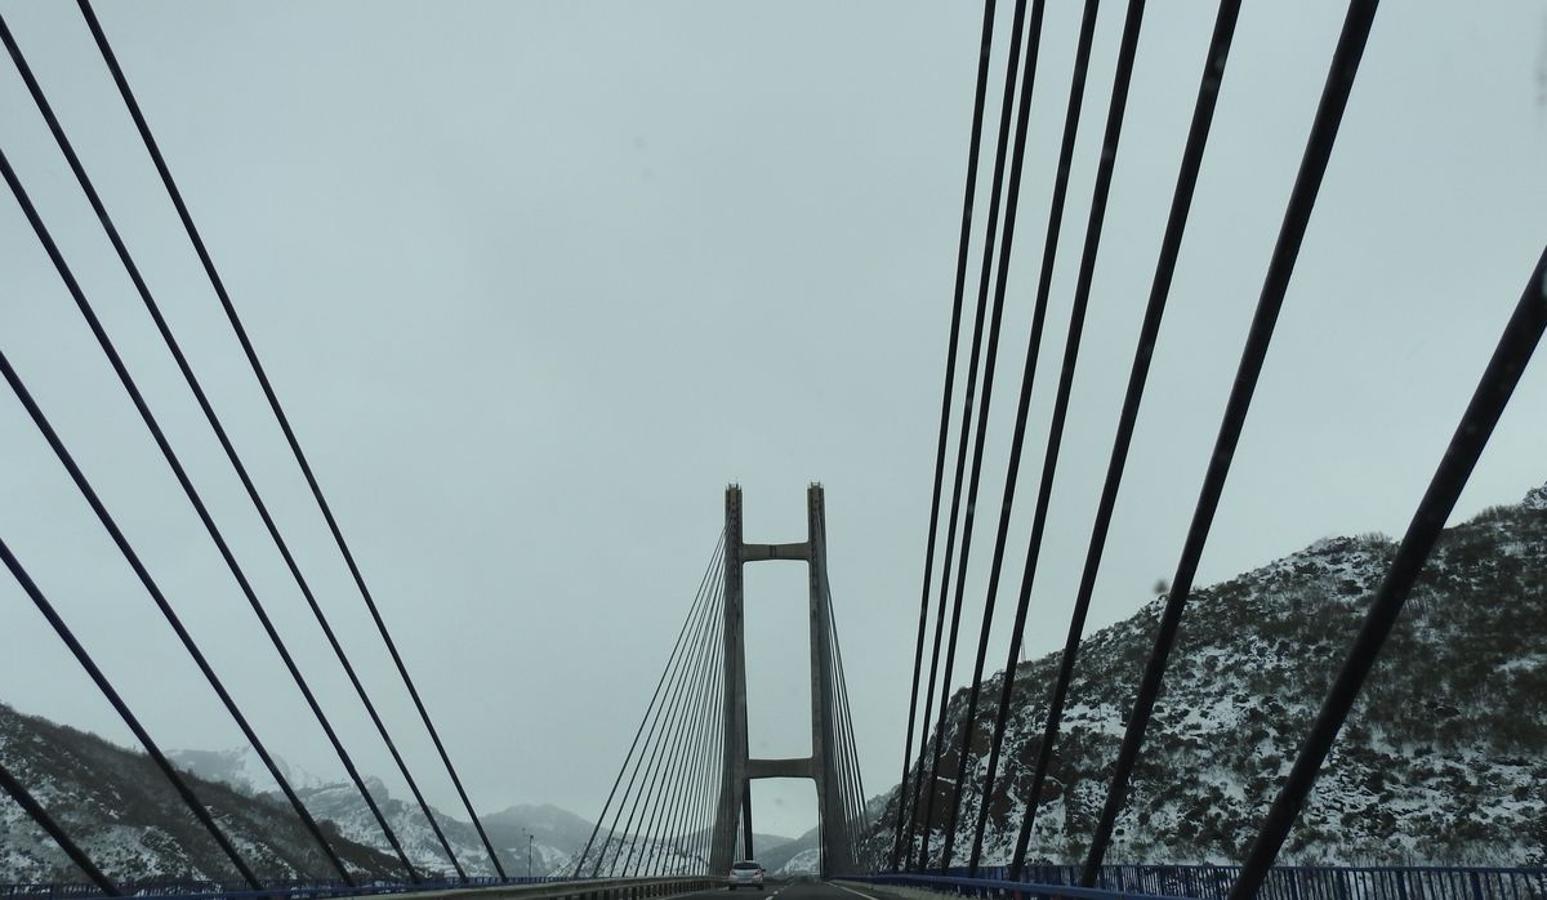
<point x="489" y="888"/>
<point x="1204" y="882"/>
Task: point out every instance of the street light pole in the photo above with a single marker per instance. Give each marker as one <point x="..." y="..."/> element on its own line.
<point x="529" y="854"/>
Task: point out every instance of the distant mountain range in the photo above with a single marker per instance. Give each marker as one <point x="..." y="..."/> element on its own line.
<point x="667" y="855"/>
<point x="557" y="833"/>
<point x="1444" y="760"/>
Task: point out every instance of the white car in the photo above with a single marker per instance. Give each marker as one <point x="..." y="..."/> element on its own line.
<point x="747" y="873"/>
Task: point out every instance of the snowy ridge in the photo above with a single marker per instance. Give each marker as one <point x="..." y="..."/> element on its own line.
<point x="125" y="814"/>
<point x="555" y="831"/>
<point x="1443" y="762"/>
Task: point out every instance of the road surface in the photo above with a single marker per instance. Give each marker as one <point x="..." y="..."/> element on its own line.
<point x="789" y="890"/>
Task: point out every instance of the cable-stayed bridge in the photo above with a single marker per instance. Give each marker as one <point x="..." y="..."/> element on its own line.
<point x="679" y="812"/>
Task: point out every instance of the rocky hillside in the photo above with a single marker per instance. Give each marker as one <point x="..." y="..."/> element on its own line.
<point x="1443" y="761"/>
<point x="128" y="818"/>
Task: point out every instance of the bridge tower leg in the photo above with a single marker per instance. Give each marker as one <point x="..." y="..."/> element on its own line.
<point x="834" y="820"/>
<point x="735" y="789"/>
<point x="739" y="769"/>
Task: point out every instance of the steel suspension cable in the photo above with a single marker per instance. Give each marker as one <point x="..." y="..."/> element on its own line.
<point x="154" y="150"/>
<point x="33" y="808"/>
<point x="1010" y="105"/>
<point x="179" y="784"/>
<point x="1028" y="375"/>
<point x="697" y="751"/>
<point x="167" y="612"/>
<point x="650" y="747"/>
<point x="848" y="718"/>
<point x="669" y="715"/>
<point x="717" y="756"/>
<point x="709" y="784"/>
<point x="853" y="782"/>
<point x="719" y="760"/>
<point x="680" y="823"/>
<point x="175" y="464"/>
<point x="714" y="557"/>
<point x="669" y="738"/>
<point x="672" y="746"/>
<point x="953" y="338"/>
<point x="858" y="779"/>
<point x="966" y="433"/>
<point x="68" y="150"/>
<point x="1313" y="166"/>
<point x="674" y="664"/>
<point x="850" y="794"/>
<point x="683" y="825"/>
<point x="1028" y="378"/>
<point x="1128" y="48"/>
<point x="859" y="823"/>
<point x="1176" y="222"/>
<point x="839" y="751"/>
<point x="1516" y="345"/>
<point x="672" y="761"/>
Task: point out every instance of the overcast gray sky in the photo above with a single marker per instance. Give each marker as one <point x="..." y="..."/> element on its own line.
<point x="536" y="280"/>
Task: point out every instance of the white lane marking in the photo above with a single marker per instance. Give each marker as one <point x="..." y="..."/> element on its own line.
<point x="842" y="887"/>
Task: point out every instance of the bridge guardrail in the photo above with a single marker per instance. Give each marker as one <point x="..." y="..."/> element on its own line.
<point x="1206" y="882"/>
<point x="999" y="887"/>
<point x="537" y="888"/>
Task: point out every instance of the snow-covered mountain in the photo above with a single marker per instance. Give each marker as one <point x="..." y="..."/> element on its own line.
<point x="557" y="833"/>
<point x="802" y="856"/>
<point x="129" y="820"/>
<point x="633" y="856"/>
<point x="685" y="854"/>
<point x="1443" y="761"/>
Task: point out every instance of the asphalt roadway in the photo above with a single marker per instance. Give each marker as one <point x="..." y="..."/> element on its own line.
<point x="795" y="889"/>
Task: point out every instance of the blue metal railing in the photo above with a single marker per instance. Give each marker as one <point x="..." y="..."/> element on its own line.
<point x="1205" y="882"/>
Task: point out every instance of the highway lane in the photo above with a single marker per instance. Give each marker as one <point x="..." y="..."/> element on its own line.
<point x="800" y="889"/>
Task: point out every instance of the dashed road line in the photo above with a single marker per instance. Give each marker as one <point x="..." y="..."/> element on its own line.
<point x="844" y="887"/>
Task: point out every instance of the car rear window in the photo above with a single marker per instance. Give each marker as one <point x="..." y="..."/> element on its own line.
<point x="746" y="865"/>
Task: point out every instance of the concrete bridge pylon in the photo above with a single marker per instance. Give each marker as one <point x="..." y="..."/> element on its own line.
<point x="739" y="769"/>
